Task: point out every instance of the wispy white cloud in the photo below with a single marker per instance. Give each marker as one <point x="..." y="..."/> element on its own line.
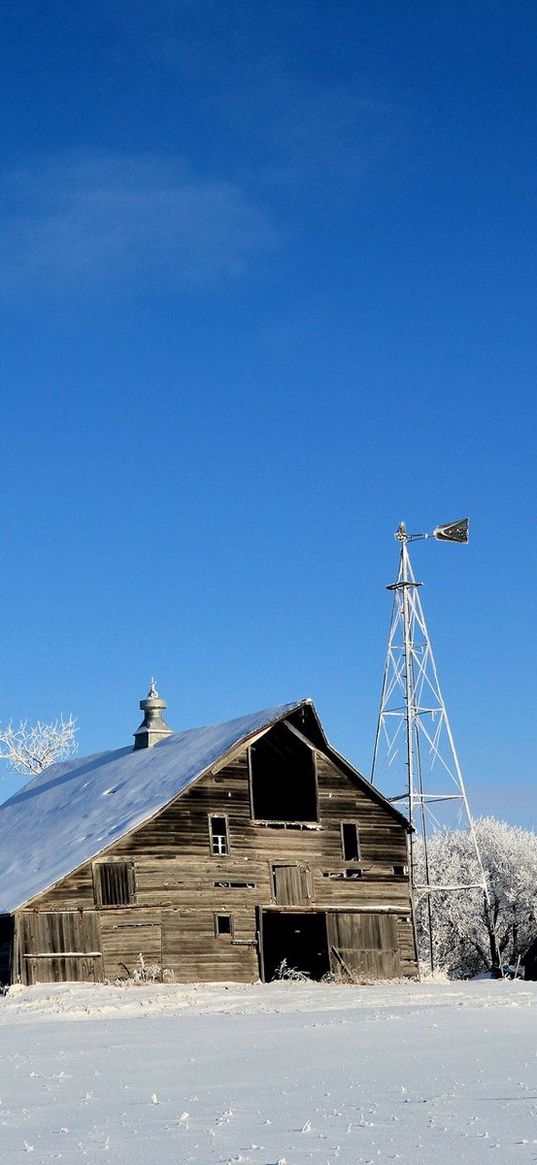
<point x="94" y="219"/>
<point x="324" y="135"/>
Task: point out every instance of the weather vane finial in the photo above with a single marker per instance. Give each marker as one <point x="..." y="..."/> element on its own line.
<point x="152" y="693"/>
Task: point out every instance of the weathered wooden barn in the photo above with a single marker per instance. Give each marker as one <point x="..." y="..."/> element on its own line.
<point x="216" y="853"/>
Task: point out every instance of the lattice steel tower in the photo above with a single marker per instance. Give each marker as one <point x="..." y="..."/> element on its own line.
<point x="414" y="745"/>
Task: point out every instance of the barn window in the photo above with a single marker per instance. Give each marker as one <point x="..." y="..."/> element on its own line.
<point x="283" y="780"/>
<point x="114" y="883"/>
<point x="350" y="841"/>
<point x="234" y="885"/>
<point x="219" y="835"/>
<point x="223" y="924"/>
<point x="400" y="871"/>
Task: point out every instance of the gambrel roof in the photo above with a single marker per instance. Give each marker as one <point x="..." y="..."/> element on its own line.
<point x="77" y="808"/>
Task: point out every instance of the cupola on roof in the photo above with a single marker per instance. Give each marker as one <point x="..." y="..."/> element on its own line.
<point x="153" y="727"/>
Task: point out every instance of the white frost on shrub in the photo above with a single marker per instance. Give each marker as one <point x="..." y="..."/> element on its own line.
<point x="463" y="927"/>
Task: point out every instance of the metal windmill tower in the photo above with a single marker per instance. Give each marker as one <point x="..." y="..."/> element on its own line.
<point x="414" y="746"/>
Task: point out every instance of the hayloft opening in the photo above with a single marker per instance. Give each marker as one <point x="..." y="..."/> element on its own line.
<point x="283" y="778"/>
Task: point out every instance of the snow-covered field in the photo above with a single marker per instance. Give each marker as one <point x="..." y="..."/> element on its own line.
<point x="302" y="1073"/>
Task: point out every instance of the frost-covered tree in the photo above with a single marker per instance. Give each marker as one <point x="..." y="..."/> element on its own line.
<point x="468" y="937"/>
<point x="30" y="748"/>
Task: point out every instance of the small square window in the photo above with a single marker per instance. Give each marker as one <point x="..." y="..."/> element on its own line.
<point x="400" y="871"/>
<point x="223" y="924"/>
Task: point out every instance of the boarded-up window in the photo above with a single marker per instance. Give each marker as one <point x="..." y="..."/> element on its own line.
<point x="290" y="885"/>
<point x="114" y="883"/>
<point x="350" y="841"/>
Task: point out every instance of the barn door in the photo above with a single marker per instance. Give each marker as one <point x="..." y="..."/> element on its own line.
<point x="290" y="885"/>
<point x="61" y="947"/>
<point x="366" y="944"/>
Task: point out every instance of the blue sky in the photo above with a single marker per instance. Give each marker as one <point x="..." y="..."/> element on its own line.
<point x="267" y="283"/>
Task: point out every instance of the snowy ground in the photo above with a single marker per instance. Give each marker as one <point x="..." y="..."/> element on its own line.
<point x="172" y="1075"/>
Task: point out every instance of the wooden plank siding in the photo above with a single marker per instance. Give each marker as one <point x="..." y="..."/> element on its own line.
<point x="179" y="886"/>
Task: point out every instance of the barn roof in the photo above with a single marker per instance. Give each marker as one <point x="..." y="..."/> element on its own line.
<point x="77" y="808"/>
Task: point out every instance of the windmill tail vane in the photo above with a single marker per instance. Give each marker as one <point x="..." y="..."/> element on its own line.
<point x="455" y="532"/>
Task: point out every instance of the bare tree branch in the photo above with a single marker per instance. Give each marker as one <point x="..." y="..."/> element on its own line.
<point x="29" y="749"/>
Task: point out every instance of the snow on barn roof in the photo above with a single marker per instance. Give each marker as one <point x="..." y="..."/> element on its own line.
<point x="77" y="808"/>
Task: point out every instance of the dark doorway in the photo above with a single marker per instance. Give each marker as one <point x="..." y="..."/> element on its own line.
<point x="6" y="948"/>
<point x="529" y="962"/>
<point x="298" y="941"/>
